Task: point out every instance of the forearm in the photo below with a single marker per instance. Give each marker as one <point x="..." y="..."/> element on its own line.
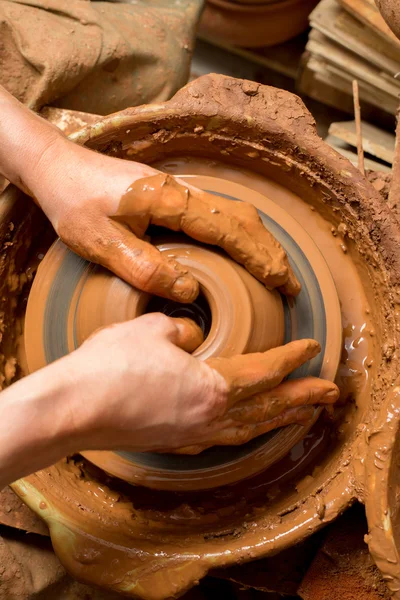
<point x="25" y="139"/>
<point x="37" y="421"/>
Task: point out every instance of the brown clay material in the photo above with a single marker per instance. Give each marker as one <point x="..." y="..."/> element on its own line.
<point x="394" y="190"/>
<point x="343" y="565"/>
<point x="390" y="12"/>
<point x="99" y="65"/>
<point x="14" y="513"/>
<point x="234" y="297"/>
<point x="382" y="500"/>
<point x="96" y="522"/>
<point x="255" y="24"/>
<point x="381" y="182"/>
<point x="68" y="121"/>
<point x="161" y="200"/>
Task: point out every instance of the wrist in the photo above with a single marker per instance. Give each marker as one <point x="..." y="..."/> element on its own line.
<point x="37" y="425"/>
<point x="24" y="138"/>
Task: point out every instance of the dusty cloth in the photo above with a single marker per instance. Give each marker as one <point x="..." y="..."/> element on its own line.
<point x="29" y="570"/>
<point x="97" y="57"/>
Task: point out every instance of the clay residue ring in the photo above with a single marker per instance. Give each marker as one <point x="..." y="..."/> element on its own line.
<point x="71" y="298"/>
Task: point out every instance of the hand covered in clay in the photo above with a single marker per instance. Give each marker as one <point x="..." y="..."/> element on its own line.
<point x="145" y="393"/>
<point x="101" y="208"/>
<point x="134" y="386"/>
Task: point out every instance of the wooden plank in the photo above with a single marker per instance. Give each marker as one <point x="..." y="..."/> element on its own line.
<point x="352" y="64"/>
<point x="310" y="85"/>
<point x="340" y="63"/>
<point x="367" y="12"/>
<point x="327" y="75"/>
<point x="344" y="29"/>
<point x="340" y="147"/>
<point x="376" y="142"/>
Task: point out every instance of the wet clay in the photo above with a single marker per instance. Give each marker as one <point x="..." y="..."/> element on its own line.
<point x="336" y="247"/>
<point x="221" y="508"/>
<point x="245" y="318"/>
<point x="161" y="200"/>
<point x="97" y="521"/>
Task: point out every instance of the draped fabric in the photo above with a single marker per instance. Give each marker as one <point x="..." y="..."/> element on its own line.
<point x="97" y="57"/>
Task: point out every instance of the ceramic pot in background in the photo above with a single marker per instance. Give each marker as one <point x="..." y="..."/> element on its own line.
<point x="255" y="25"/>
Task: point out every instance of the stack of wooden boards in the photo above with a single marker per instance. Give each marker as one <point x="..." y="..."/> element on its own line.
<point x="378" y="145"/>
<point x="350" y="40"/>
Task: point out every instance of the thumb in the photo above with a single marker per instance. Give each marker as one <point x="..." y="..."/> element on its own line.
<point x="182" y="332"/>
<point x="189" y="335"/>
<point x="146" y="268"/>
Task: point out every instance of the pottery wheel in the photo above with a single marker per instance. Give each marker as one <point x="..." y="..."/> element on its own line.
<point x="71" y="298"/>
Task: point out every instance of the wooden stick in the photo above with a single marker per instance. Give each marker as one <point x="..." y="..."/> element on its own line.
<point x="357" y="115"/>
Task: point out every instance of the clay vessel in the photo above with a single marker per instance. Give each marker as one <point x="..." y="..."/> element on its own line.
<point x="71" y="298"/>
<point x="255" y="25"/>
<point x="110" y="534"/>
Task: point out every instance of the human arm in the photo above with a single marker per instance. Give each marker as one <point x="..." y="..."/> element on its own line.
<point x="99" y="398"/>
<point x="131" y="386"/>
<point x="101" y="207"/>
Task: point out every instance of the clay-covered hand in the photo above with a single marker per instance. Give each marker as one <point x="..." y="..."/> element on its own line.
<point x="134" y="386"/>
<point x="139" y="390"/>
<point x="102" y="206"/>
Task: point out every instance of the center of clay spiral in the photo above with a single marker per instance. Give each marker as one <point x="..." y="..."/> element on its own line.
<point x="199" y="311"/>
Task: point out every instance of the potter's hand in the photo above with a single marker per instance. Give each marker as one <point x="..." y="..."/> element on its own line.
<point x="138" y="390"/>
<point x="86" y="197"/>
<point x="132" y="386"/>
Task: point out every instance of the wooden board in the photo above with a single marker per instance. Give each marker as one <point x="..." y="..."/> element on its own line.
<point x="352" y="64"/>
<point x="330" y="84"/>
<point x="344" y="29"/>
<point x="370" y="164"/>
<point x="376" y="142"/>
<point x="337" y="66"/>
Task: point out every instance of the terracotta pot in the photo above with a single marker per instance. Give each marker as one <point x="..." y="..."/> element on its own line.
<point x="254" y="25"/>
<point x="253" y="2"/>
<point x="110" y="534"/>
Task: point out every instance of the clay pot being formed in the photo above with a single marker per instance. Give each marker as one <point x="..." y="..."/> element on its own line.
<point x="255" y="24"/>
<point x="71" y="298"/>
<point x="110" y="533"/>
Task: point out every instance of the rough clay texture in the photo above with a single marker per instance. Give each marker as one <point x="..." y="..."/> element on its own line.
<point x="29" y="569"/>
<point x="270" y="132"/>
<point x="391" y="14"/>
<point x="343" y="566"/>
<point x="97" y="57"/>
<point x="14" y="513"/>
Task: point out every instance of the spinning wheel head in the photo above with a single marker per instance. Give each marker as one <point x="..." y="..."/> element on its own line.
<point x="71" y="298"/>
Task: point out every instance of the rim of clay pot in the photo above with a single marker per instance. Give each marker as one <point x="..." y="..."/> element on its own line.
<point x="268" y="131"/>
